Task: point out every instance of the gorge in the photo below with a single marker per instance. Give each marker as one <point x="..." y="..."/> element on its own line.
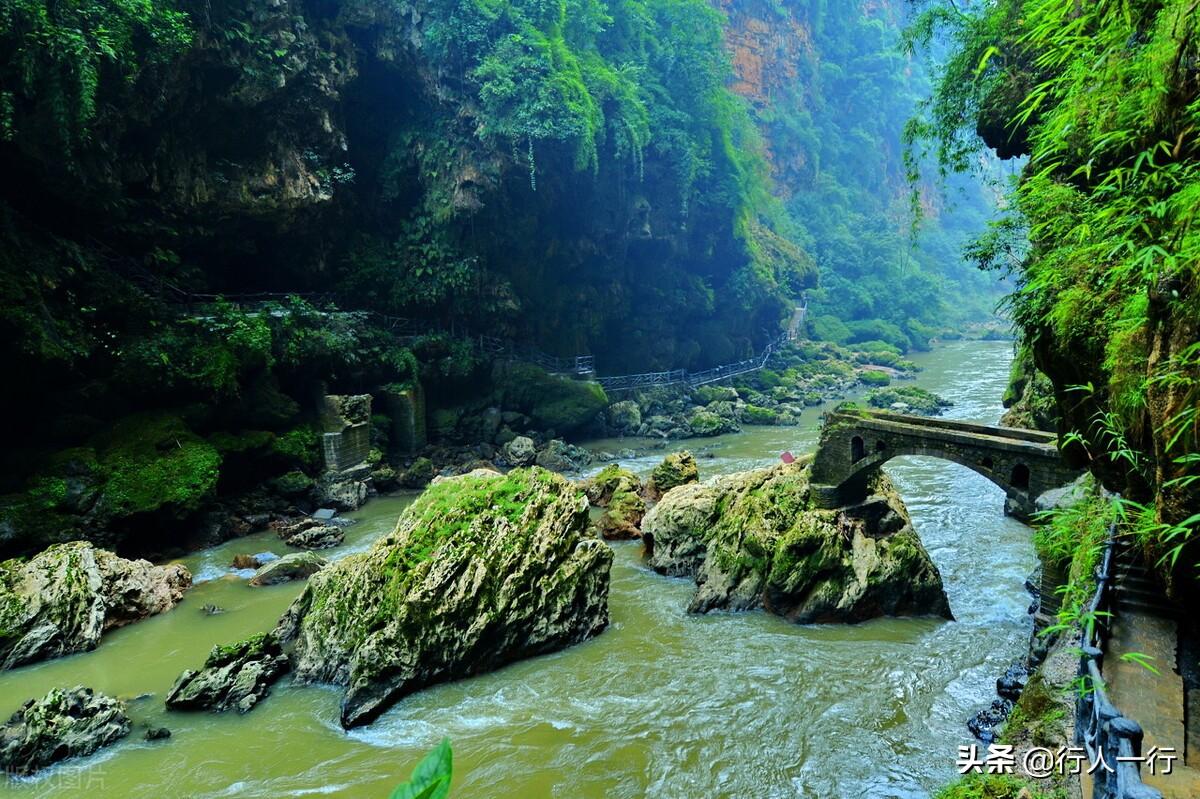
<point x="629" y="395"/>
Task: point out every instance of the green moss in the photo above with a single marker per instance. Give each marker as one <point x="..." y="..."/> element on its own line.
<point x="753" y="414"/>
<point x="292" y="483"/>
<point x="994" y="786"/>
<point x="153" y="461"/>
<point x="241" y="442"/>
<point x="300" y="445"/>
<point x="255" y="647"/>
<point x="872" y="377"/>
<point x="676" y="469"/>
<point x="1039" y="716"/>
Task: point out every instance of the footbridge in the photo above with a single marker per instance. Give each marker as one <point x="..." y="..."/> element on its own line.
<point x="855" y="442"/>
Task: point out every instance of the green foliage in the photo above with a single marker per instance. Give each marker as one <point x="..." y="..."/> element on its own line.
<point x="1096" y="94"/>
<point x="872" y="377"/>
<point x="154" y="461"/>
<point x="59" y="58"/>
<point x="431" y="778"/>
<point x="917" y="399"/>
<point x="300" y="445"/>
<point x="994" y="786"/>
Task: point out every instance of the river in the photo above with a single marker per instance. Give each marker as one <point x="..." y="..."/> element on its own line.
<point x="661" y="704"/>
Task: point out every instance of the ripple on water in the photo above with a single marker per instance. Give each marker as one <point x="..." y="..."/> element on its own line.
<point x="662" y="704"/>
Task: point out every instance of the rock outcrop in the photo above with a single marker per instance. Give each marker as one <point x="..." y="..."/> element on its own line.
<point x="310" y="533"/>
<point x="62" y="600"/>
<point x="482" y="570"/>
<point x="678" y="468"/>
<point x="292" y="566"/>
<point x="753" y="539"/>
<point x="62" y="724"/>
<point x="235" y="677"/>
<point x="617" y="490"/>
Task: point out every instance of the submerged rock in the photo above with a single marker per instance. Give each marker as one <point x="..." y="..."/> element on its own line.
<point x="482" y="570"/>
<point x="678" y="468"/>
<point x="310" y="533"/>
<point x="62" y="600"/>
<point x="753" y="539"/>
<point x="62" y="724"/>
<point x="559" y="456"/>
<point x="235" y="677"/>
<point x="292" y="566"/>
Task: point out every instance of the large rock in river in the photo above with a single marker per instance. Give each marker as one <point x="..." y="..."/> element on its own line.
<point x="237" y="676"/>
<point x="62" y="724"/>
<point x="482" y="570"/>
<point x="62" y="600"/>
<point x="754" y="539"/>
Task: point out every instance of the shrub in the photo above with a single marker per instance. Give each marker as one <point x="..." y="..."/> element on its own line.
<point x="872" y="377"/>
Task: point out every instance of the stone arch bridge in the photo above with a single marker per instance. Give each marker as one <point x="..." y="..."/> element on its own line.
<point x="1024" y="463"/>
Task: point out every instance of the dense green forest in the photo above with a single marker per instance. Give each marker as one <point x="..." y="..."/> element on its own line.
<point x="583" y="177"/>
<point x="1101" y="98"/>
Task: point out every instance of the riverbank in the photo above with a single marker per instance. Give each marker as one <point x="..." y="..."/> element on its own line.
<point x="661" y="703"/>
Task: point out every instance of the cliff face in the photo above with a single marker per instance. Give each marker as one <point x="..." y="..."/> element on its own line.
<point x="303" y="146"/>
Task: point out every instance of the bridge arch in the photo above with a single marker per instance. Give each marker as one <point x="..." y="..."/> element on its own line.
<point x="854" y="443"/>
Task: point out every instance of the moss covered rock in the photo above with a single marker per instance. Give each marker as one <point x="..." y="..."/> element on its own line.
<point x="60" y="725"/>
<point x="753" y="539"/>
<point x="705" y="423"/>
<point x="234" y="677"/>
<point x="622" y="518"/>
<point x="481" y="570"/>
<point x="153" y="462"/>
<point x="610" y="480"/>
<point x="678" y="468"/>
<point x="553" y="403"/>
<point x="65" y="598"/>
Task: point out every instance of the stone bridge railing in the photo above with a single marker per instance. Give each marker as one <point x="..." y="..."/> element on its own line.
<point x="856" y="441"/>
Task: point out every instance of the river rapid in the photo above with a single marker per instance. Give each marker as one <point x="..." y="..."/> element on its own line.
<point x="661" y="704"/>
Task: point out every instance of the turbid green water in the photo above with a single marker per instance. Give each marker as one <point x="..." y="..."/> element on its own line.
<point x="661" y="704"/>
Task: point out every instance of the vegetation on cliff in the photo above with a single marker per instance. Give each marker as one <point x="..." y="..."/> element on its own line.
<point x="1102" y="98"/>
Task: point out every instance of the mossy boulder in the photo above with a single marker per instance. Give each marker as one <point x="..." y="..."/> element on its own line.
<point x="609" y="481"/>
<point x="552" y="402"/>
<point x="678" y="468"/>
<point x="234" y="677"/>
<point x="65" y="598"/>
<point x="754" y="539"/>
<point x="907" y="399"/>
<point x="705" y="423"/>
<point x="61" y="725"/>
<point x="153" y="462"/>
<point x="753" y="414"/>
<point x="150" y="466"/>
<point x="481" y="570"/>
<point x="292" y="566"/>
<point x="707" y="394"/>
<point x="418" y="474"/>
<point x="622" y="518"/>
<point x="624" y="417"/>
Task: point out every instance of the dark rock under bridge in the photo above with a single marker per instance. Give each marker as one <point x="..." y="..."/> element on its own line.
<point x="854" y="442"/>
